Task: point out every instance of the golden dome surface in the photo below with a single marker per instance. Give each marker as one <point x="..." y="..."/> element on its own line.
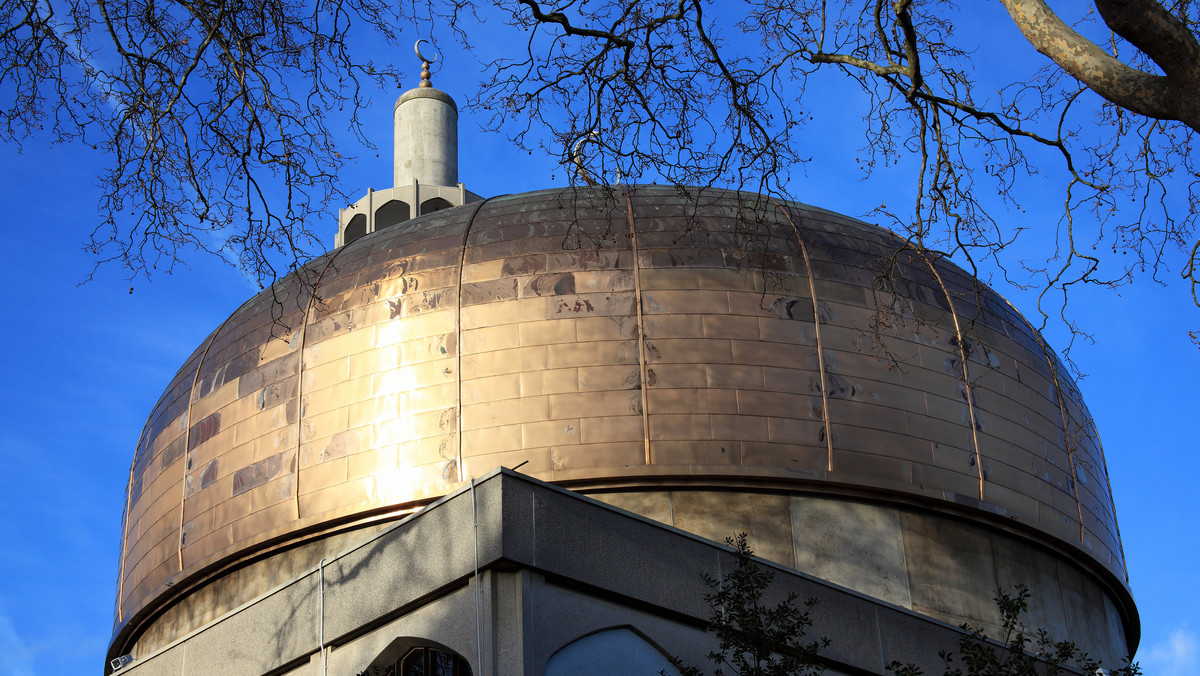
<point x="609" y="340"/>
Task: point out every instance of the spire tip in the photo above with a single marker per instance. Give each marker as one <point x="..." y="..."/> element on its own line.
<point x="425" y="81"/>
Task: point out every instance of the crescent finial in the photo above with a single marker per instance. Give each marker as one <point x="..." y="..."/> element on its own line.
<point x="577" y="157"/>
<point x="425" y="82"/>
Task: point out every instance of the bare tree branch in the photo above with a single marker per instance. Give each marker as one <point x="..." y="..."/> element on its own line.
<point x="214" y="114"/>
<point x="1147" y="25"/>
<point x="218" y="116"/>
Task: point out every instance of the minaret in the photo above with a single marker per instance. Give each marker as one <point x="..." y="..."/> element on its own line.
<point x="425" y="163"/>
<point x="426" y="134"/>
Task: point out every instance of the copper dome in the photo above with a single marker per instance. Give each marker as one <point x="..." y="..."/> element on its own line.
<point x="619" y="343"/>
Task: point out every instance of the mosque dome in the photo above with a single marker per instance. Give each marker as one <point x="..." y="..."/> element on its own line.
<point x="715" y="360"/>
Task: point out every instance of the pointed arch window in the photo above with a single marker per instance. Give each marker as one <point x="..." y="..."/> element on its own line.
<point x="618" y="650"/>
<point x="426" y="661"/>
<point x="413" y="657"/>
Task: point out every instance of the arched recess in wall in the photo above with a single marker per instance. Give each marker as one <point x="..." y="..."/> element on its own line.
<point x="436" y="204"/>
<point x="412" y="656"/>
<point x="619" y="650"/>
<point x="392" y="213"/>
<point x="356" y="229"/>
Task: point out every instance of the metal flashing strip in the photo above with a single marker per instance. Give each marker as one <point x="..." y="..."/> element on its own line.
<point x="641" y="324"/>
<point x="1062" y="412"/>
<point x="812" y="292"/>
<point x="125" y="523"/>
<point x="300" y="374"/>
<point x="1069" y="447"/>
<point x="187" y="435"/>
<point x="1108" y="484"/>
<point x="962" y="357"/>
<point x="186" y="449"/>
<point x="458" y="344"/>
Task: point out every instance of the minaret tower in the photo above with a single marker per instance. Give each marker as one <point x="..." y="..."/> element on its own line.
<point x="426" y="134"/>
<point x="425" y="163"/>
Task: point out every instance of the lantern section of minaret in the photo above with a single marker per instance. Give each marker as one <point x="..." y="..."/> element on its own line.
<point x="424" y="167"/>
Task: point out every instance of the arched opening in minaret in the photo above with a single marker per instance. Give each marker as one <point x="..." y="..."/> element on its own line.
<point x="357" y="228"/>
<point x="395" y="211"/>
<point x="435" y="204"/>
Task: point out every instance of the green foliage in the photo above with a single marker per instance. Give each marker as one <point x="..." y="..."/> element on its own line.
<point x="756" y="639"/>
<point x="1023" y="653"/>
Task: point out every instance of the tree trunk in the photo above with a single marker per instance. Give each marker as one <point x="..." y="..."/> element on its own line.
<point x="1148" y="27"/>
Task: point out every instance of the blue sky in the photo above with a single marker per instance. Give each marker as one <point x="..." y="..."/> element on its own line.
<point x="84" y="364"/>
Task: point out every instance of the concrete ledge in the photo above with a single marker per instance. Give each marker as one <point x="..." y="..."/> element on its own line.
<point x="552" y="566"/>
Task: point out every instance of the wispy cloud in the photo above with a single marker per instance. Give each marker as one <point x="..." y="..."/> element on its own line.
<point x="1176" y="654"/>
<point x="15" y="656"/>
